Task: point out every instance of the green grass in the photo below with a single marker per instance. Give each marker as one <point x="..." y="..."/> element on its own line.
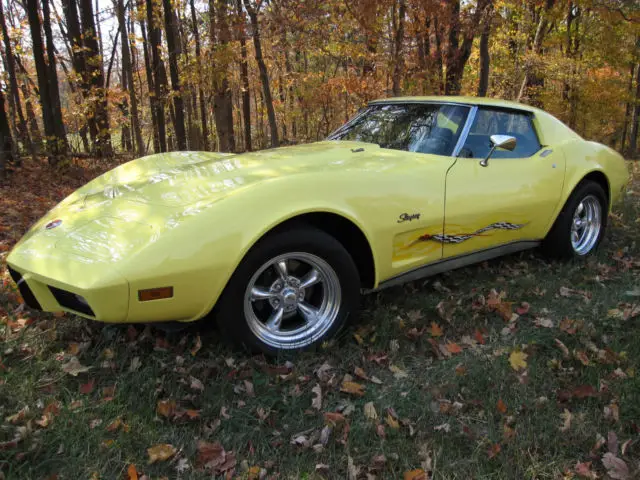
<point x="458" y="394"/>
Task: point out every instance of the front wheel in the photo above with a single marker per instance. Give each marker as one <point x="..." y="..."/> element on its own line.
<point x="295" y="289"/>
<point x="580" y="226"/>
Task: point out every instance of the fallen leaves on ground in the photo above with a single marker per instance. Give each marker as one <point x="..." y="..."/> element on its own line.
<point x="616" y="467"/>
<point x="352" y="388"/>
<point x="160" y="452"/>
<point x="518" y="360"/>
<point x="74" y="367"/>
<point x="417" y="474"/>
<point x="213" y="457"/>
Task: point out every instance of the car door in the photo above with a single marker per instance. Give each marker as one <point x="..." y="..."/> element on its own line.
<point x="420" y="182"/>
<point x="510" y="200"/>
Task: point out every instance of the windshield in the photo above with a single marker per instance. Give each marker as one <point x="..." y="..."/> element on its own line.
<point x="413" y="127"/>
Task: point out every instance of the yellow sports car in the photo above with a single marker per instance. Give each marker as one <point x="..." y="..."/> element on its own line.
<point x="277" y="245"/>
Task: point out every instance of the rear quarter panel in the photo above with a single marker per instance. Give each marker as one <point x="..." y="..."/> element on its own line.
<point x="584" y="157"/>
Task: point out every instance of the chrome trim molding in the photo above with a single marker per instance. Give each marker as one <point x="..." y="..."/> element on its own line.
<point x="465" y="131"/>
<point x="447" y="264"/>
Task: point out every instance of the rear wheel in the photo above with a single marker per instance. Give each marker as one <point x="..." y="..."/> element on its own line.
<point x="580" y="226"/>
<point x="292" y="291"/>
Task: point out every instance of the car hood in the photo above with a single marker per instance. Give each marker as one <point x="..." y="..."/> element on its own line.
<point x="179" y="179"/>
<point x="129" y="207"/>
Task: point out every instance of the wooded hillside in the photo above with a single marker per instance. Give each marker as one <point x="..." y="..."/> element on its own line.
<point x="142" y="76"/>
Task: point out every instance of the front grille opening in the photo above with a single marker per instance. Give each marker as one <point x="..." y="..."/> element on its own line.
<point x="27" y="295"/>
<point x="72" y="301"/>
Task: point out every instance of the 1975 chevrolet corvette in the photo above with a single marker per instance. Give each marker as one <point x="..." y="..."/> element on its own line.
<point x="278" y="244"/>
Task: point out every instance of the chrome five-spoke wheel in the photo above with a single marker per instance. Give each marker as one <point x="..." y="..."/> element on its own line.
<point x="292" y="300"/>
<point x="586" y="225"/>
<point x="295" y="289"/>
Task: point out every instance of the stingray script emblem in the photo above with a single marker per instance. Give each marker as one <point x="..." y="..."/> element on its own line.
<point x="407" y="217"/>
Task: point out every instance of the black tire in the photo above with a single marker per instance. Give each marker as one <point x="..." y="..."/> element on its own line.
<point x="230" y="313"/>
<point x="557" y="243"/>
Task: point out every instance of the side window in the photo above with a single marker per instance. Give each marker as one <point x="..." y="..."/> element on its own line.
<point x="500" y="122"/>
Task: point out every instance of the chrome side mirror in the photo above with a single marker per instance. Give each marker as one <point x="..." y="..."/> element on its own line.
<point x="506" y="142"/>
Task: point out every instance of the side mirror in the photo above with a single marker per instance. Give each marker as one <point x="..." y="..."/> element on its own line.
<point x="506" y="142"/>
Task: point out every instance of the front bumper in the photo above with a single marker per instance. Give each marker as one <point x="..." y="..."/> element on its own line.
<point x="64" y="283"/>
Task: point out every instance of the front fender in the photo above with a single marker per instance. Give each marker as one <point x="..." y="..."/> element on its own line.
<point x="202" y="248"/>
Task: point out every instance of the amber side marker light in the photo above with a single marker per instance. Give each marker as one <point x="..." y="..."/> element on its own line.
<point x="155" y="293"/>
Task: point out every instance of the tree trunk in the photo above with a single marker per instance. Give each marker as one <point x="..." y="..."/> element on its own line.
<point x="202" y="101"/>
<point x="99" y="108"/>
<point x="627" y="109"/>
<point x="532" y="77"/>
<point x="127" y="72"/>
<point x="485" y="59"/>
<point x="56" y="145"/>
<point x="36" y="136"/>
<point x="264" y="76"/>
<point x="173" y="44"/>
<point x="458" y="53"/>
<point x="151" y="88"/>
<point x="222" y="100"/>
<point x="23" y="131"/>
<point x="159" y="80"/>
<point x="398" y="60"/>
<point x="53" y="76"/>
<point x="6" y="142"/>
<point x="244" y="75"/>
<point x="78" y="61"/>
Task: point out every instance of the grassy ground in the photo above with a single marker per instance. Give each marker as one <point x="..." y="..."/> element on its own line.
<point x="517" y="368"/>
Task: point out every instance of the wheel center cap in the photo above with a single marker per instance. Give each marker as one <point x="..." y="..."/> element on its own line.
<point x="289" y="297"/>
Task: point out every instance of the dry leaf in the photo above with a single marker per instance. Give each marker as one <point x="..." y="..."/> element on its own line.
<point x="417" y="474"/>
<point x="494" y="450"/>
<point x="566" y="417"/>
<point x="74" y="367"/>
<point x="435" y="330"/>
<point x="333" y="418"/>
<point x="161" y="452"/>
<point x="583" y="470"/>
<point x="392" y="422"/>
<point x="563" y="348"/>
<point x="132" y="472"/>
<point x="359" y="372"/>
<point x="197" y="345"/>
<point x="616" y="467"/>
<point x="317" y="397"/>
<point x="517" y="359"/>
<point x="196" y="384"/>
<point x="502" y="408"/>
<point x="612" y="442"/>
<point x="87" y="388"/>
<point x="352" y="470"/>
<point x="370" y="411"/>
<point x="453" y="348"/>
<point x="352" y="388"/>
<point x="398" y="372"/>
<point x="166" y="408"/>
